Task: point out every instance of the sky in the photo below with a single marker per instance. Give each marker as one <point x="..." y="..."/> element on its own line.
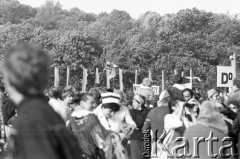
<point x="137" y="7"/>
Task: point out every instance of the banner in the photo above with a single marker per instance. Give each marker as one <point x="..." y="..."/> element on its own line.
<point x="97" y="76"/>
<point x="110" y="66"/>
<point x="120" y="79"/>
<point x="84" y="81"/>
<point x="68" y="75"/>
<point x="155" y="89"/>
<point x="107" y="78"/>
<point x="112" y="73"/>
<point x="56" y="77"/>
<point x="225" y="76"/>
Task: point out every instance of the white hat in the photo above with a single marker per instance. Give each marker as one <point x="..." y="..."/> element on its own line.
<point x="163" y="95"/>
<point x="110" y="97"/>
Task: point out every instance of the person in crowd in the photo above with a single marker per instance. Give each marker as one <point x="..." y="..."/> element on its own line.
<point x="8" y="110"/>
<point x="190" y="112"/>
<point x="96" y="94"/>
<point x="155" y="119"/>
<point x="234" y="102"/>
<point x="145" y="89"/>
<point x="67" y="97"/>
<point x="58" y="105"/>
<point x="97" y="85"/>
<point x="93" y="138"/>
<point x="209" y="121"/>
<point x="174" y="124"/>
<point x="69" y="88"/>
<point x="236" y="85"/>
<point x="110" y="105"/>
<point x="123" y="115"/>
<point x="177" y="87"/>
<point x="139" y="115"/>
<point x="214" y="95"/>
<point x="187" y="94"/>
<point x="197" y="96"/>
<point x="40" y="131"/>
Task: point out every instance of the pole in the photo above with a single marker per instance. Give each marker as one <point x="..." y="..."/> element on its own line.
<point x="56" y="77"/>
<point x="149" y="74"/>
<point x="191" y="79"/>
<point x="163" y="81"/>
<point x="136" y="76"/>
<point x="234" y="65"/>
<point x="120" y="79"/>
<point x="68" y="75"/>
<point x="96" y="76"/>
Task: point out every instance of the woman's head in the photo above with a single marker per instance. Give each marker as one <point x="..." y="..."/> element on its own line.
<point x="110" y="104"/>
<point x="234" y="101"/>
<point x="109" y="109"/>
<point x="84" y="100"/>
<point x="54" y="93"/>
<point x="175" y="105"/>
<point x="147" y="82"/>
<point x="96" y="94"/>
<point x="138" y="102"/>
<point x="208" y="110"/>
<point x="26" y="69"/>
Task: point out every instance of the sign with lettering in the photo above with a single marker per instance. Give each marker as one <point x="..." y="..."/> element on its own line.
<point x="225" y="76"/>
<point x="137" y="86"/>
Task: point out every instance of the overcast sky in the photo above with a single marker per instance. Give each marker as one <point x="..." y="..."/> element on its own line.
<point x="137" y="7"/>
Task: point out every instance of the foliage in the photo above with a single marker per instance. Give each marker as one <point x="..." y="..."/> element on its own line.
<point x="191" y="38"/>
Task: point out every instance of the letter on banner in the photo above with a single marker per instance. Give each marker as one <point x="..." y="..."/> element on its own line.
<point x="84" y="81"/>
<point x="56" y="77"/>
<point x="120" y="79"/>
<point x="97" y="76"/>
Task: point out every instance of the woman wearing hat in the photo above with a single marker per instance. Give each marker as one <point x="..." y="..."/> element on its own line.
<point x="105" y="111"/>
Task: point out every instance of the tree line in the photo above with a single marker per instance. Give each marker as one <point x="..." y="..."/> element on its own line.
<point x="191" y="38"/>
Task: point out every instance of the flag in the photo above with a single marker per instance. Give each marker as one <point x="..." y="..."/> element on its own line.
<point x="68" y="75"/>
<point x="97" y="76"/>
<point x="110" y="66"/>
<point x="120" y="79"/>
<point x="112" y="73"/>
<point x="56" y="77"/>
<point x="84" y="81"/>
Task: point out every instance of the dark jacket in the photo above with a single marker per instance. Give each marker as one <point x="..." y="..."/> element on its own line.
<point x="86" y="133"/>
<point x="155" y="121"/>
<point x="236" y="130"/>
<point x="8" y="110"/>
<point x="41" y="133"/>
<point x="138" y="116"/>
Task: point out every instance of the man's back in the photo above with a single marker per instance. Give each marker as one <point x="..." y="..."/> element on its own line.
<point x="41" y="133"/>
<point x="156" y="120"/>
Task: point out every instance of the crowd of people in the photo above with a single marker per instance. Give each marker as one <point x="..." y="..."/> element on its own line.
<point x="40" y="123"/>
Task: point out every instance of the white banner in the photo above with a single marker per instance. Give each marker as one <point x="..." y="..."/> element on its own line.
<point x="225" y="76"/>
<point x="137" y="86"/>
